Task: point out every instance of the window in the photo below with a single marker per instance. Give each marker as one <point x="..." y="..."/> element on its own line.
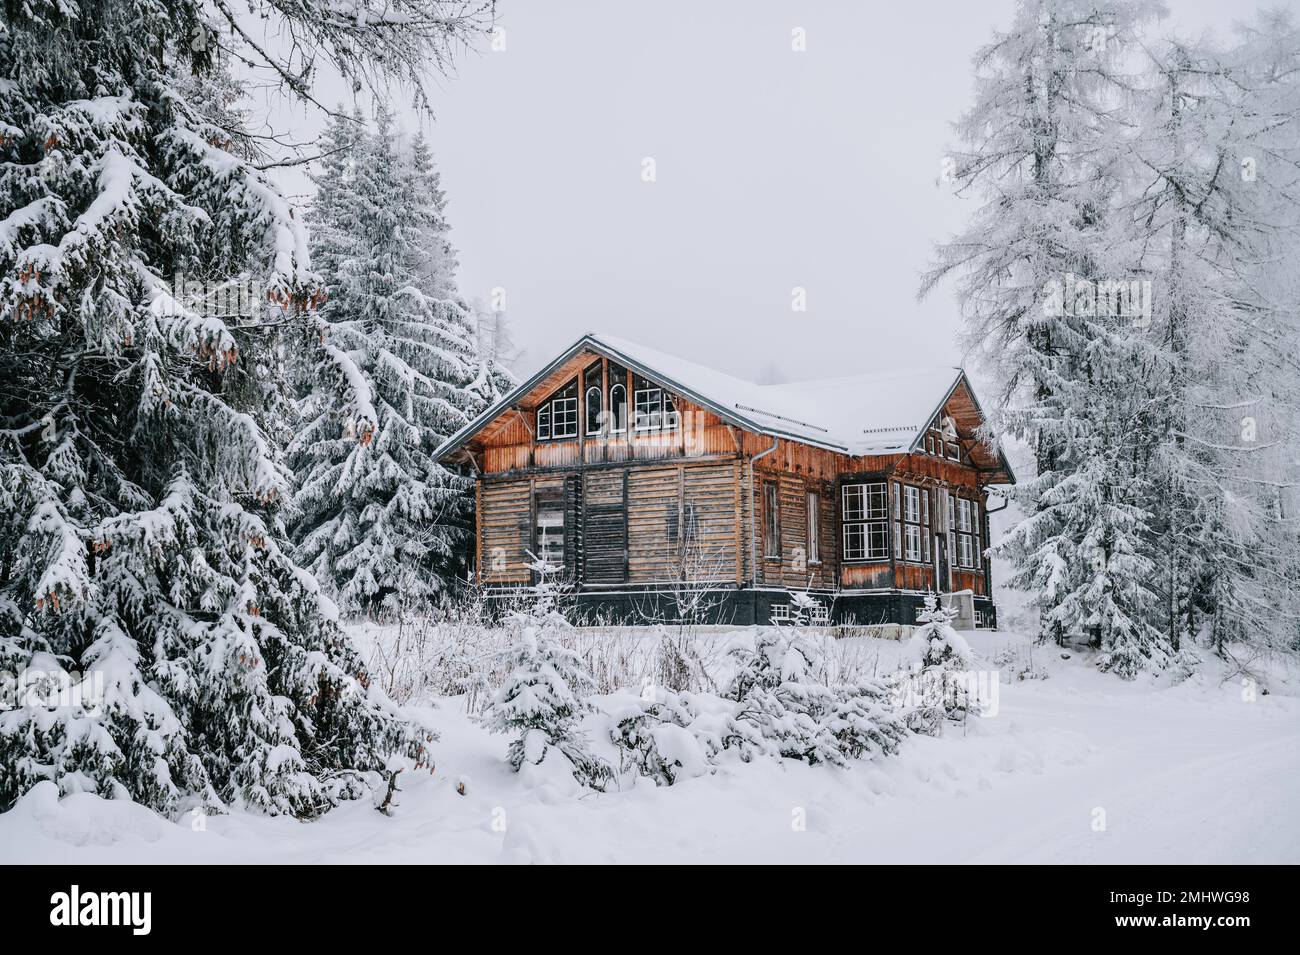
<point x="771" y="522"/>
<point x="864" y="516"/>
<point x="916" y="524"/>
<point x="550" y="536"/>
<point x="780" y="613"/>
<point x="671" y="417"/>
<point x="618" y="408"/>
<point x="557" y="417"/>
<point x="564" y="418"/>
<point x="652" y="408"/>
<point x="648" y="411"/>
<point x="911" y="504"/>
<point x="954" y="452"/>
<point x="814" y="527"/>
<point x="968" y="534"/>
<point x="592" y="404"/>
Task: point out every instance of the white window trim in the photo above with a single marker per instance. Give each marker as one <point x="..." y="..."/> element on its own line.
<point x="867" y="517"/>
<point x="570" y="407"/>
<point x="600" y="412"/>
<point x="637" y="424"/>
<point x="616" y="427"/>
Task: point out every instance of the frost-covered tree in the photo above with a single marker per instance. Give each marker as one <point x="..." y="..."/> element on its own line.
<point x="379" y="521"/>
<point x="1212" y="217"/>
<point x="1041" y="145"/>
<point x="144" y="574"/>
<point x="542" y="701"/>
<point x="1152" y="186"/>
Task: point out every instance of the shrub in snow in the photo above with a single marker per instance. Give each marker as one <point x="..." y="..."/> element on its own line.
<point x="653" y="735"/>
<point x="941" y="662"/>
<point x="544" y="697"/>
<point x="784" y="709"/>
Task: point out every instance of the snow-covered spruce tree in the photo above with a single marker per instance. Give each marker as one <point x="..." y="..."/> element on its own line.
<point x="141" y="547"/>
<point x="378" y="520"/>
<point x="542" y="700"/>
<point x="939" y="661"/>
<point x="1045" y="139"/>
<point x="785" y="707"/>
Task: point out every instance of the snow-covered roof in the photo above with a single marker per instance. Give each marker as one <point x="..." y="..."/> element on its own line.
<point x="878" y="413"/>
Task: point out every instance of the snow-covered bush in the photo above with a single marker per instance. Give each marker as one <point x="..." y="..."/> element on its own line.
<point x="785" y="709"/>
<point x="653" y="736"/>
<point x="1017" y="663"/>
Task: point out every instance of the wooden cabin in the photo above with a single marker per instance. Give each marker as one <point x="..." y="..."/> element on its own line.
<point x="661" y="486"/>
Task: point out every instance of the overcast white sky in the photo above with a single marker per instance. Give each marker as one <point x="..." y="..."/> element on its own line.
<point x="775" y="169"/>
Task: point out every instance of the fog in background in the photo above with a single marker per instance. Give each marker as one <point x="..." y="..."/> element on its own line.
<point x="775" y="169"/>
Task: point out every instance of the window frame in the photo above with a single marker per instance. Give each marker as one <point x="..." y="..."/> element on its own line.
<point x="967" y="530"/>
<point x="868" y="521"/>
<point x="544" y="534"/>
<point x="564" y="402"/>
<point x="618" y="409"/>
<point x="656" y="416"/>
<point x="570" y="415"/>
<point x="915" y="525"/>
<point x="594" y="422"/>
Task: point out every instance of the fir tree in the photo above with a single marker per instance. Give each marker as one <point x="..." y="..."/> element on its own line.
<point x="143" y="569"/>
<point x="940" y="662"/>
<point x="380" y="522"/>
<point x="544" y="697"/>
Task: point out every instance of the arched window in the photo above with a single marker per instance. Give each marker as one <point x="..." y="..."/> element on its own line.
<point x="618" y="407"/>
<point x="593" y="410"/>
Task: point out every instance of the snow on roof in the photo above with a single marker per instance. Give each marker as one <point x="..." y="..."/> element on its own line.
<point x="879" y="413"/>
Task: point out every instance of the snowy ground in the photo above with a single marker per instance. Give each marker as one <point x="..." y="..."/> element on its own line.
<point x="1075" y="768"/>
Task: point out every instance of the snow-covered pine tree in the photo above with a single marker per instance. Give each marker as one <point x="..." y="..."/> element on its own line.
<point x="379" y="522"/>
<point x="542" y="700"/>
<point x="1045" y="138"/>
<point x="143" y="571"/>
